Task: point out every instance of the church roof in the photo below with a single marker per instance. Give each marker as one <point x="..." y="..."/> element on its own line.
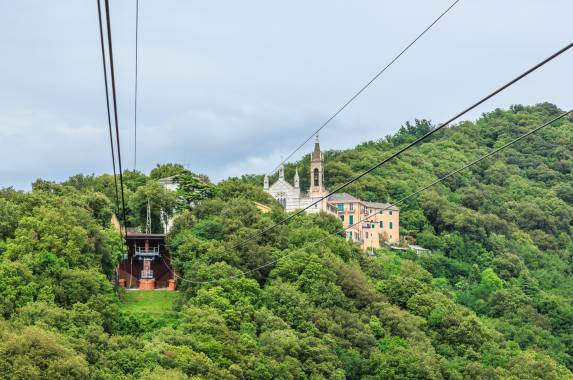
<point x="282" y="183"/>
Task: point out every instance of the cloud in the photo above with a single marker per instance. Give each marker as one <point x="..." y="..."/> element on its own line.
<point x="225" y="141"/>
<point x="42" y="144"/>
<point x="230" y="87"/>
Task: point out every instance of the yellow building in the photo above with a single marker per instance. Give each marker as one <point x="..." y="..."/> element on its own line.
<point x="370" y="224"/>
<point x="263" y="208"/>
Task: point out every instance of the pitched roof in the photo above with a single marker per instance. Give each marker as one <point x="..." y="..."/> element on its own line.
<point x="316" y="155"/>
<point x="281" y="182"/>
<point x="345" y="197"/>
<point x="167" y="180"/>
<point x="378" y="205"/>
<point x="342" y="197"/>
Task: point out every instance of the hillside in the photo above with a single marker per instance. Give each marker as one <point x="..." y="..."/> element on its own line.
<point x="493" y="300"/>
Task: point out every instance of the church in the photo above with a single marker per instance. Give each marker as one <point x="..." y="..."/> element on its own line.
<point x="291" y="197"/>
<point x="369" y="224"/>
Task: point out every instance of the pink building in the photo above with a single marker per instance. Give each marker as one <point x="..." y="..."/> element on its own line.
<point x="370" y="224"/>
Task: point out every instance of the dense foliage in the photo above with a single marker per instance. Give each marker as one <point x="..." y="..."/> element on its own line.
<point x="492" y="301"/>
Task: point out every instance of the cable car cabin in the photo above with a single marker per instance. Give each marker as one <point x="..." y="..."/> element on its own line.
<point x="147" y="264"/>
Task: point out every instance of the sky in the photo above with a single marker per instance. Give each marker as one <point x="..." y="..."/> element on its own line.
<point x="230" y="87"/>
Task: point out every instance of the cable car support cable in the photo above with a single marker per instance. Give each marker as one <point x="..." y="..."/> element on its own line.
<point x="114" y="97"/>
<point x="364" y="87"/>
<point x="401" y="200"/>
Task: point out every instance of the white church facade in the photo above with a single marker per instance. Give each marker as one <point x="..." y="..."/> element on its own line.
<point x="291" y="197"/>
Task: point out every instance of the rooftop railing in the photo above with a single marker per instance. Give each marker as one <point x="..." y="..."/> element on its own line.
<point x="150" y="252"/>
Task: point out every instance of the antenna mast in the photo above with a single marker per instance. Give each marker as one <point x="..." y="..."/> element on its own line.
<point x="148" y="221"/>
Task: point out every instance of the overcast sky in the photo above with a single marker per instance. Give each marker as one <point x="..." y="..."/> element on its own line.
<point x="228" y="87"/>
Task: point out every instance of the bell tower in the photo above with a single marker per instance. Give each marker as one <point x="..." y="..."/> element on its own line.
<point x="316" y="171"/>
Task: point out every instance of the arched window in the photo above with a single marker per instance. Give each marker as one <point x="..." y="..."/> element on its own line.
<point x="315" y="175"/>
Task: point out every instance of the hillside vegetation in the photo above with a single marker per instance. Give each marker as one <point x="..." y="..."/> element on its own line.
<point x="493" y="300"/>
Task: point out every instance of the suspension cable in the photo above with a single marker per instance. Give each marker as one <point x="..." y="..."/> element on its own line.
<point x="107" y="106"/>
<point x="113" y="90"/>
<point x="363" y="88"/>
<point x="135" y="90"/>
<point x="401" y="200"/>
<point x="412" y="144"/>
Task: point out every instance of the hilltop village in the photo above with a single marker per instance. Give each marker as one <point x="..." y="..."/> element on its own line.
<point x="369" y="224"/>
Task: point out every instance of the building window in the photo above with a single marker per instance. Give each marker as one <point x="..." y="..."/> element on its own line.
<point x="373" y="225"/>
<point x="351" y="219"/>
<point x="381" y="212"/>
<point x="366" y="234"/>
<point x="340" y="206"/>
<point x="390" y="225"/>
<point x="381" y="224"/>
<point x="316" y="174"/>
<point x="390" y="212"/>
<point x="351" y="206"/>
<point x="342" y="218"/>
<point x="349" y="234"/>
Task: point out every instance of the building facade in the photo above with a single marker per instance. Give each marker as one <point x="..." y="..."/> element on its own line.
<point x="370" y="224"/>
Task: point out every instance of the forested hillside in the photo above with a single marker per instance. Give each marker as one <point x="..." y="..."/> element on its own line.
<point x="494" y="299"/>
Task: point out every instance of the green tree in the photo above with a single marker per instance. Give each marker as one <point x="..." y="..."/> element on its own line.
<point x="9" y="216"/>
<point x="36" y="354"/>
<point x="192" y="189"/>
<point x="166" y="170"/>
<point x="161" y="201"/>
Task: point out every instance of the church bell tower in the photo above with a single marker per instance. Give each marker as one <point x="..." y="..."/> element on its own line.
<point x="317" y="172"/>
